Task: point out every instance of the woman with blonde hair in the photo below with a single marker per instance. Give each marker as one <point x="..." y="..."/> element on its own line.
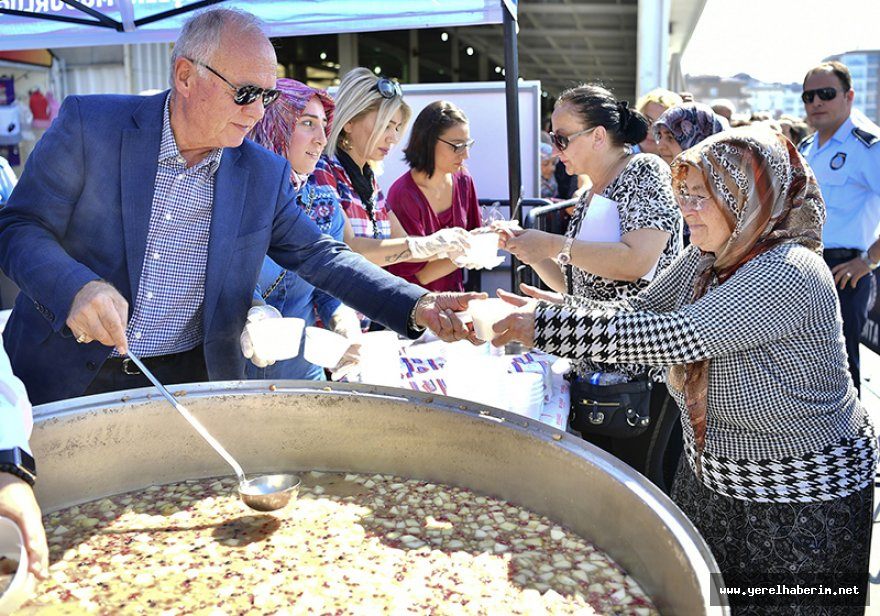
<point x="652" y="105"/>
<point x="369" y="120"/>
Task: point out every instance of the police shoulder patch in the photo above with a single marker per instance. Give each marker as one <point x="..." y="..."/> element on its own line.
<point x="868" y="139"/>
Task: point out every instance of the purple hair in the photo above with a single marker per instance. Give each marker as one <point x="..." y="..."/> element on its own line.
<point x="274" y="130"/>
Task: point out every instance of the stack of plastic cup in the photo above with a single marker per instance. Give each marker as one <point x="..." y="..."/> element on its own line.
<point x="471" y="373"/>
<point x="524" y="393"/>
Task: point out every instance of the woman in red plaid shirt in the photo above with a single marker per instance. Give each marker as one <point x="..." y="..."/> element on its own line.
<point x="370" y="117"/>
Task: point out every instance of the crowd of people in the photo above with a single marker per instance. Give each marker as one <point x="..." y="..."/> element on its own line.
<point x="715" y="272"/>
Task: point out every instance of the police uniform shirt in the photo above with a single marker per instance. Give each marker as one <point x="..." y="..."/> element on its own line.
<point x="847" y="167"/>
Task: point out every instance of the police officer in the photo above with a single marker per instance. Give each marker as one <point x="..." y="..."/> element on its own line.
<point x="845" y="156"/>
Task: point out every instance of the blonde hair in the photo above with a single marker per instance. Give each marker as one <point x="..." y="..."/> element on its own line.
<point x="660" y="96"/>
<point x="358" y="96"/>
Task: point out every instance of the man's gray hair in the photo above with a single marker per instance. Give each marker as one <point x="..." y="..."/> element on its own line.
<point x="200" y="35"/>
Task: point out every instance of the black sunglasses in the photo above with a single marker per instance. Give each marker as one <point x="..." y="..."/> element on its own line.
<point x="562" y="141"/>
<point x="458" y="148"/>
<point x="245" y="95"/>
<point x="825" y="94"/>
<point x="388" y="88"/>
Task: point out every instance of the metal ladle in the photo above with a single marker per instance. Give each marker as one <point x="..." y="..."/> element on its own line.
<point x="264" y="493"/>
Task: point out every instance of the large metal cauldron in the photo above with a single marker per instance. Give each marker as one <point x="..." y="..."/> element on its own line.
<point x="88" y="448"/>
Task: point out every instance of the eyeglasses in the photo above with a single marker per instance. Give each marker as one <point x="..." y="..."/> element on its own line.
<point x="458" y="148"/>
<point x="245" y="95"/>
<point x="563" y="141"/>
<point x="388" y="88"/>
<point x="825" y="94"/>
<point x="691" y="203"/>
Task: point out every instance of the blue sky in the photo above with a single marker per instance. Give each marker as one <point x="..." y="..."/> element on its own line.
<point x="778" y="40"/>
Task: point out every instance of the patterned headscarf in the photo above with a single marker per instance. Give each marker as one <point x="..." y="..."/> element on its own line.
<point x="771" y="197"/>
<point x="689" y="123"/>
<point x="279" y="121"/>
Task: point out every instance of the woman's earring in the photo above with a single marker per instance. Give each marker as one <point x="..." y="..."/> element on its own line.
<point x="345" y="142"/>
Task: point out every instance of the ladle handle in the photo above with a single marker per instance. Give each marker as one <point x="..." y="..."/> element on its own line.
<point x="239" y="472"/>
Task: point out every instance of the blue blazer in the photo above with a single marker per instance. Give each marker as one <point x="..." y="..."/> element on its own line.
<point x="81" y="212"/>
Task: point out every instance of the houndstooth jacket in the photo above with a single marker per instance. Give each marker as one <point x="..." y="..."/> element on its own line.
<point x="784" y="422"/>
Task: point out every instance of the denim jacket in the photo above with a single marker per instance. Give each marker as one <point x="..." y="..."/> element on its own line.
<point x="293" y="296"/>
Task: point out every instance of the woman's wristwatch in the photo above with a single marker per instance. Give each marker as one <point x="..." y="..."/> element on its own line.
<point x="866" y="257"/>
<point x="564" y="256"/>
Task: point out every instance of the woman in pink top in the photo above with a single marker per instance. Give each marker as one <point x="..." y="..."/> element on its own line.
<point x="437" y="192"/>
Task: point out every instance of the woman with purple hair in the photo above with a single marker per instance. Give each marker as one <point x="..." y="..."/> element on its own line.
<point x="296" y="127"/>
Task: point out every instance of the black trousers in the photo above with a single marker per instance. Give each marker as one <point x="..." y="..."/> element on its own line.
<point x="186" y="367"/>
<point x="853" y="309"/>
<point x="656" y="452"/>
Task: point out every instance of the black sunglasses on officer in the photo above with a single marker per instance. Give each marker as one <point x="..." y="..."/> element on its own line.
<point x="245" y="95"/>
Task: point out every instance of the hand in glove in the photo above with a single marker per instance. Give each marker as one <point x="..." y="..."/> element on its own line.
<point x="257" y="313"/>
<point x="444" y="244"/>
<point x="345" y="322"/>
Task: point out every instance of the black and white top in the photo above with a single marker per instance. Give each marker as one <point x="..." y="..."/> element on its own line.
<point x="784" y="423"/>
<point x="643" y="193"/>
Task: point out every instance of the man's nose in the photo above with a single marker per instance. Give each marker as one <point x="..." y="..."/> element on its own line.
<point x="255" y="110"/>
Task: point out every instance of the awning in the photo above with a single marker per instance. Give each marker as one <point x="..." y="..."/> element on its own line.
<point x="34" y="24"/>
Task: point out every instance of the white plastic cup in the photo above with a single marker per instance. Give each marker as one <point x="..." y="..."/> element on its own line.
<point x="276" y="339"/>
<point x="484" y="248"/>
<point x="324" y="348"/>
<point x="21" y="587"/>
<point x="486" y="313"/>
<point x="380" y="359"/>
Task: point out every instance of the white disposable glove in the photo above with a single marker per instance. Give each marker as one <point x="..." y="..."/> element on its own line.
<point x="444" y="244"/>
<point x="257" y="313"/>
<point x="345" y="322"/>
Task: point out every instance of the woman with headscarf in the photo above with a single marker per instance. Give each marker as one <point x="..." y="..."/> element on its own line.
<point x="296" y="127"/>
<point x="684" y="126"/>
<point x="780" y="454"/>
<point x="371" y="115"/>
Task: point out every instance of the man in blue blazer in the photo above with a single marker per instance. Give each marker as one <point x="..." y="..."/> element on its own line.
<point x="157" y="206"/>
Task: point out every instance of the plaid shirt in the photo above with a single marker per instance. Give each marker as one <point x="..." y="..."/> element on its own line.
<point x="329" y="172"/>
<point x="167" y="314"/>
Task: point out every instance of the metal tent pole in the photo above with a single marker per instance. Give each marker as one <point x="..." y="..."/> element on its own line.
<point x="511" y="72"/>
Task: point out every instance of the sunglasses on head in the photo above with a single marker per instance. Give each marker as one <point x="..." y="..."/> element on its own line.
<point x="563" y="141"/>
<point x="825" y="94"/>
<point x="388" y="88"/>
<point x="245" y="95"/>
<point x="458" y="148"/>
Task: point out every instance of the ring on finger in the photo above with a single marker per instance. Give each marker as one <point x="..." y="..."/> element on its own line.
<point x="847" y="274"/>
<point x="82" y="338"/>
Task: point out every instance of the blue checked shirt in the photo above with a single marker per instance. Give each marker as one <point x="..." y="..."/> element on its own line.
<point x="167" y="314"/>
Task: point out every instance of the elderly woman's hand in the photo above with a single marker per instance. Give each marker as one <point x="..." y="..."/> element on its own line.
<point x="548" y="296"/>
<point x="518" y="325"/>
<point x="533" y="246"/>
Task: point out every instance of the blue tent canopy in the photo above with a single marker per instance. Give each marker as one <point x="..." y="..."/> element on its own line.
<point x="32" y="24"/>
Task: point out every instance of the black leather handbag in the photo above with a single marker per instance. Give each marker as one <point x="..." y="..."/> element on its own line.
<point x="621" y="410"/>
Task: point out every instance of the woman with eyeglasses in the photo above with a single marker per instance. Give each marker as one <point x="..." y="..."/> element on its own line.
<point x="623" y="231"/>
<point x="296" y="127"/>
<point x="437" y="192"/>
<point x="369" y="119"/>
<point x="684" y="126"/>
<point x="781" y="455"/>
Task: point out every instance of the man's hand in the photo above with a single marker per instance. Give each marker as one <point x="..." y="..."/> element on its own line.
<point x="17" y="503"/>
<point x="533" y="246"/>
<point x="256" y="313"/>
<point x="99" y="312"/>
<point x="850" y="273"/>
<point x="518" y="325"/>
<point x="436" y="311"/>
